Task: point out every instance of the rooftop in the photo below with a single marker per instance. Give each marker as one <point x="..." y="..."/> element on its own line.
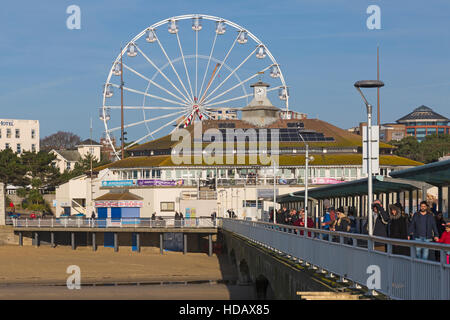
<point x="423" y="113"/>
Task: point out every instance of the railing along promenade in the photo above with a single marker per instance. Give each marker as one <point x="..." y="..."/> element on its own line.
<point x="201" y="222"/>
<point x="353" y="257"/>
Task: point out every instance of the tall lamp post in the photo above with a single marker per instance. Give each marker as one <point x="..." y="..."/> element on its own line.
<point x="358" y="85"/>
<point x="307" y="159"/>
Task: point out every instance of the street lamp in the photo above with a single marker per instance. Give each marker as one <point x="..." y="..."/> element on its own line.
<point x="358" y="85"/>
<point x="307" y="160"/>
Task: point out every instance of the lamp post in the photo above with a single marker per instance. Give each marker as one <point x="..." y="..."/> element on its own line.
<point x="307" y="159"/>
<point x="358" y="85"/>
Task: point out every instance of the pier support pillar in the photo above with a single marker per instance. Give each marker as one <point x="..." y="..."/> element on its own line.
<point x="20" y="239"/>
<point x="210" y="245"/>
<point x="116" y="242"/>
<point x="52" y="239"/>
<point x="161" y="243"/>
<point x="138" y="242"/>
<point x="36" y="239"/>
<point x="184" y="243"/>
<point x="94" y="244"/>
<point x="72" y="240"/>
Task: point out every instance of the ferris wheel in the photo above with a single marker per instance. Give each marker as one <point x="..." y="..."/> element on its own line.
<point x="184" y="69"/>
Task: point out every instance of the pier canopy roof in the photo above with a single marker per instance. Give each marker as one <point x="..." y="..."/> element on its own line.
<point x="436" y="173"/>
<point x="380" y="184"/>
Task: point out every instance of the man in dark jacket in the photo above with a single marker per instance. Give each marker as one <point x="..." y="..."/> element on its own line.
<point x="423" y="228"/>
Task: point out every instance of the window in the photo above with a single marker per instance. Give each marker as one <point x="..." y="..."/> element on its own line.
<point x="146" y="174"/>
<point x="68" y="166"/>
<point x="168" y="174"/>
<point x="33" y="133"/>
<point x="440" y="131"/>
<point x="156" y="174"/>
<point x="8" y="133"/>
<point x="322" y="173"/>
<point x="346" y="172"/>
<point x="339" y="173"/>
<point x="167" y="206"/>
<point x="134" y="174"/>
<point x="19" y="148"/>
<point x="7" y="145"/>
<point x="353" y="172"/>
<point x="332" y="173"/>
<point x="251" y="204"/>
<point x="17" y="133"/>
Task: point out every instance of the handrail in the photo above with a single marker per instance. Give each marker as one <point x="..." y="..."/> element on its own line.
<point x="357" y="236"/>
<point x="332" y="252"/>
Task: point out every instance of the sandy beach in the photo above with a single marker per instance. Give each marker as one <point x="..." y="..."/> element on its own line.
<point x="45" y="265"/>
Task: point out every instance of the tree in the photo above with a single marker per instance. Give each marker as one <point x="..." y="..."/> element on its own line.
<point x="429" y="150"/>
<point x="12" y="169"/>
<point x="60" y="140"/>
<point x="39" y="166"/>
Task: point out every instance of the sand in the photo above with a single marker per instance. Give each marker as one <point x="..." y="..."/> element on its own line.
<point x="45" y="265"/>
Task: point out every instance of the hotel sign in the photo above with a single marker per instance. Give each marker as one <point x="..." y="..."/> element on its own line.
<point x="119" y="204"/>
<point x="7" y="123"/>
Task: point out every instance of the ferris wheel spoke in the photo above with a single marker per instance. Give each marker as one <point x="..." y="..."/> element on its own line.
<point x="154" y="83"/>
<point x="163" y="74"/>
<point x="207" y="66"/>
<point x="173" y="68"/>
<point x="235" y="70"/>
<point x="220" y="67"/>
<point x="237" y="85"/>
<point x="145" y="108"/>
<point x="151" y="133"/>
<point x="184" y="63"/>
<point x="147" y="121"/>
<point x="149" y="95"/>
<point x="196" y="63"/>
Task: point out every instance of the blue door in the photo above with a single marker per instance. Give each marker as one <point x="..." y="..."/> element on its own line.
<point x="116" y="214"/>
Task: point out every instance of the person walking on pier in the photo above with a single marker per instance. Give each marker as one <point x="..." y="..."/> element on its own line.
<point x="445" y="238"/>
<point x="398" y="228"/>
<point x="381" y="221"/>
<point x="423" y="228"/>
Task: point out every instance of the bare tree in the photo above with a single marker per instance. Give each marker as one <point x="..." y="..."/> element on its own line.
<point x="60" y="140"/>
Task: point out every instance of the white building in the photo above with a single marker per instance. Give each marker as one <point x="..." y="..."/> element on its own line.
<point x="19" y="135"/>
<point x="67" y="159"/>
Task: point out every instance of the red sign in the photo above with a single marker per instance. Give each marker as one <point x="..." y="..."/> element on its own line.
<point x="119" y="203"/>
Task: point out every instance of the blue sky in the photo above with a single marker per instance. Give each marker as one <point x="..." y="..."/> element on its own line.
<point x="55" y="75"/>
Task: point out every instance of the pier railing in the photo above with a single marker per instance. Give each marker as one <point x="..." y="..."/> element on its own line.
<point x="373" y="262"/>
<point x="201" y="222"/>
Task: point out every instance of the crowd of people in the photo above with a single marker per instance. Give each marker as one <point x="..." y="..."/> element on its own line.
<point x="424" y="225"/>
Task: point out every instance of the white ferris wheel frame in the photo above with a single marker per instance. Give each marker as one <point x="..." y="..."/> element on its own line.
<point x="188" y="98"/>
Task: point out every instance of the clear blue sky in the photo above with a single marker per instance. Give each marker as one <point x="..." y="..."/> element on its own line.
<point x="55" y="75"/>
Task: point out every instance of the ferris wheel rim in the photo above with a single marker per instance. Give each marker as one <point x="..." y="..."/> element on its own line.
<point x="178" y="18"/>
